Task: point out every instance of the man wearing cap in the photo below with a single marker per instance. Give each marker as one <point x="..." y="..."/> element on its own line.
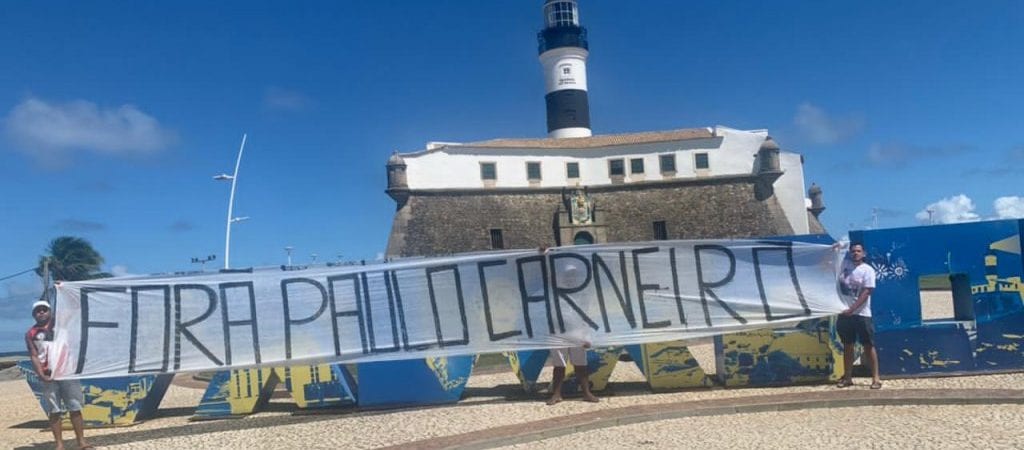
<point x="58" y="396"/>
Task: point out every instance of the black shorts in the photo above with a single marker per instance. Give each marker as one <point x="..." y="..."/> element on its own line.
<point x="853" y="328"/>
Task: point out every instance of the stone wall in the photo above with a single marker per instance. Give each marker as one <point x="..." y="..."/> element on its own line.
<point x="441" y="222"/>
<point x="456" y="223"/>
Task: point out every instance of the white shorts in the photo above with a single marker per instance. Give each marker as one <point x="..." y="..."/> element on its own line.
<point x="577" y="356"/>
<point x="62" y="396"/>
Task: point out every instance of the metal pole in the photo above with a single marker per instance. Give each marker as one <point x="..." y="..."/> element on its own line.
<point x="46" y="279"/>
<point x="231" y="204"/>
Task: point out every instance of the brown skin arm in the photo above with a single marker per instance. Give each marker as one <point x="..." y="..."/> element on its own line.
<point x="36" y="364"/>
<point x="863" y="297"/>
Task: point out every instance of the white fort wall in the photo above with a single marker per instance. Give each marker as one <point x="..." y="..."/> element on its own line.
<point x="457" y="166"/>
<point x="789" y="189"/>
<point x="730" y="152"/>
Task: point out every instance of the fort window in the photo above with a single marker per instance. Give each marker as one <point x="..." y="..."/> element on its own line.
<point x="636" y="165"/>
<point x="497" y="240"/>
<point x="946" y="297"/>
<point x="700" y="161"/>
<point x="533" y="171"/>
<point x="667" y="163"/>
<point x="488" y="171"/>
<point x="616" y="168"/>
<point x="660" y="230"/>
<point x="572" y="170"/>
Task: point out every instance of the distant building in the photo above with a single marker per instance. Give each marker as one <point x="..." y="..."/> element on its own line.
<point x="575" y="188"/>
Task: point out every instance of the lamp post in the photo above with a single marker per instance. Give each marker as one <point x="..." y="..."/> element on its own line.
<point x="231" y="204"/>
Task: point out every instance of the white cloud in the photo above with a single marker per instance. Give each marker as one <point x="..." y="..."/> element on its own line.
<point x="956" y="209"/>
<point x="895" y="155"/>
<point x="26" y="285"/>
<point x="119" y="270"/>
<point x="278" y="99"/>
<point x="1015" y="154"/>
<point x="48" y="131"/>
<point x="819" y="128"/>
<point x="1009" y="207"/>
<point x="888" y="155"/>
<point x="79" y="226"/>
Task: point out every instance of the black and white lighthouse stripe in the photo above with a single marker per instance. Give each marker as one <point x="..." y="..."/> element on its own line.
<point x="563" y="54"/>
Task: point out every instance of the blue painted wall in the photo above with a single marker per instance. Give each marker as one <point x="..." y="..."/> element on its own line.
<point x="987" y="333"/>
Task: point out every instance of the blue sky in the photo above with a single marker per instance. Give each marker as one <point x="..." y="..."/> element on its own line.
<point x="114" y="117"/>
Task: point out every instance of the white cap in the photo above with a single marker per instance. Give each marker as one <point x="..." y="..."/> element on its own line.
<point x="570" y="274"/>
<point x="40" y="303"/>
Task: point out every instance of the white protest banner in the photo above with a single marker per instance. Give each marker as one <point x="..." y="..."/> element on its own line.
<point x="599" y="295"/>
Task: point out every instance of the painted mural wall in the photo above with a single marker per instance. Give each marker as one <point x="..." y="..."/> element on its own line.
<point x="984" y="333"/>
<point x="982" y="262"/>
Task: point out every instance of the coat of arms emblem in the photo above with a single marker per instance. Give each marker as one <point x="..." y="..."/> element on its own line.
<point x="581" y="207"/>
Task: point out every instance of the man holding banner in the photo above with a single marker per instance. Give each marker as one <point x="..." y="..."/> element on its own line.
<point x="58" y="396"/>
<point x="569" y="275"/>
<point x="857" y="281"/>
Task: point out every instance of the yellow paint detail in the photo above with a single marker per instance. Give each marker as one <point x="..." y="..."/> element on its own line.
<point x="113" y="407"/>
<point x="810" y="349"/>
<point x="244" y="387"/>
<point x="1008" y="245"/>
<point x="669" y="365"/>
<point x="931" y="359"/>
<point x="440" y="368"/>
<point x="105" y="414"/>
<point x="300" y="376"/>
<point x="513" y="362"/>
<point x="609" y="357"/>
<point x="1014" y="347"/>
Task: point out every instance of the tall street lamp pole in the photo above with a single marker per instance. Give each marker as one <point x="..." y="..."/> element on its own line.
<point x="231" y="204"/>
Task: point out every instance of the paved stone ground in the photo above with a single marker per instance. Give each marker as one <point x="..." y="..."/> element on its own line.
<point x="963" y="426"/>
<point x="626" y="416"/>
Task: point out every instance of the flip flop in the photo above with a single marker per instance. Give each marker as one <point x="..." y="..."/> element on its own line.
<point x="876" y="385"/>
<point x="844" y="383"/>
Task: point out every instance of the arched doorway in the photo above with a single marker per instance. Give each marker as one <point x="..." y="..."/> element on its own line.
<point x="583" y="238"/>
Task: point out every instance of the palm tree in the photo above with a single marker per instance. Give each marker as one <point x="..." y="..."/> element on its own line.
<point x="72" y="259"/>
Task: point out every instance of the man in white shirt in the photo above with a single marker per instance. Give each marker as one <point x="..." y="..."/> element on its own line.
<point x="57" y="396"/>
<point x="857" y="281"/>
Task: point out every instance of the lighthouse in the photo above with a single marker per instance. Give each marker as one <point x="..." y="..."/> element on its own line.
<point x="563" y="55"/>
<point x="574" y="187"/>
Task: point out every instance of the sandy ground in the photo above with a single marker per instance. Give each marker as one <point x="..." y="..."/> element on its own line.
<point x="493" y="400"/>
<point x="936" y="305"/>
